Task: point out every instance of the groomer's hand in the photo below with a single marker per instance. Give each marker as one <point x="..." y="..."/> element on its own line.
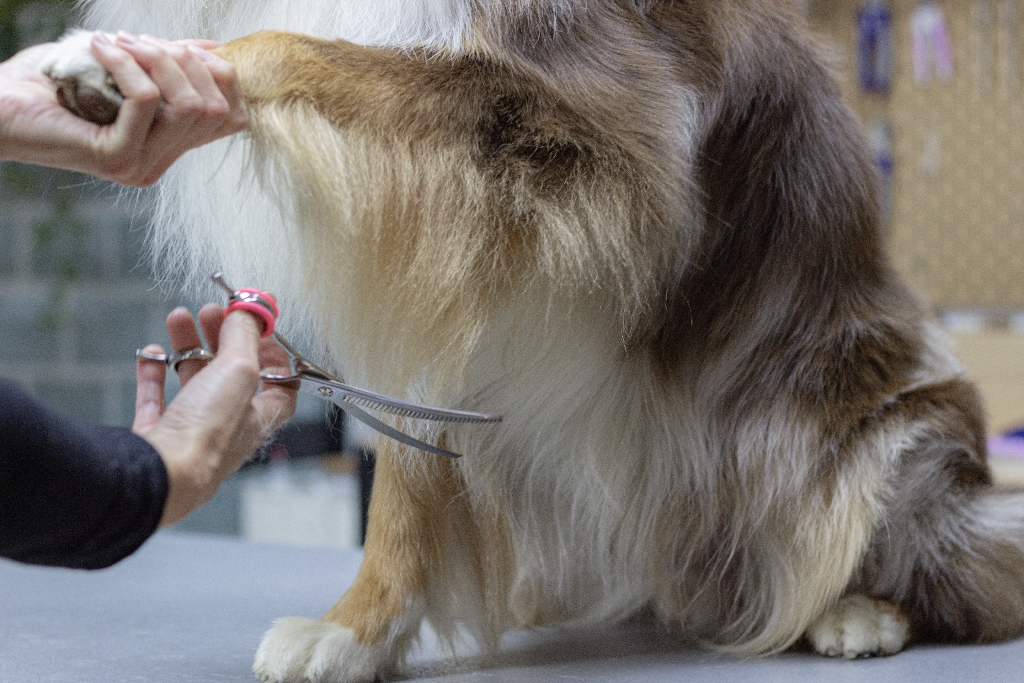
<point x="220" y="416"/>
<point x="177" y="96"/>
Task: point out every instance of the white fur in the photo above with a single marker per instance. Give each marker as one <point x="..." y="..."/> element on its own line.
<point x="588" y="509"/>
<point x="72" y="57"/>
<point x="298" y="649"/>
<point x="571" y="468"/>
<point x="395" y="23"/>
<point x="858" y="626"/>
<point x="317" y="651"/>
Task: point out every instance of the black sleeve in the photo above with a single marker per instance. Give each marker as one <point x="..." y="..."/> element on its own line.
<point x="73" y="494"/>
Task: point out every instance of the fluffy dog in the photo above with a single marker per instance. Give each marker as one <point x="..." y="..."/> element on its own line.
<point x="645" y="231"/>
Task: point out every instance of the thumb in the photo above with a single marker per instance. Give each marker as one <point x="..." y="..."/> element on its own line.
<point x="240" y="337"/>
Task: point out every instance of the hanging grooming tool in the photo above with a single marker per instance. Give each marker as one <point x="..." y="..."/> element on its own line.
<point x="874" y="46"/>
<point x="929" y="42"/>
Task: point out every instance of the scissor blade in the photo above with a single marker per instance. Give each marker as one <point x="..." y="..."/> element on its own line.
<point x="338" y="392"/>
<point x="312" y="387"/>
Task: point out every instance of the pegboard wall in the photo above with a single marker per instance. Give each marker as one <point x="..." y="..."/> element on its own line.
<point x="956" y="190"/>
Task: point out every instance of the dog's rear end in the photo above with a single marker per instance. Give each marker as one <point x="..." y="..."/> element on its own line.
<point x="647" y="234"/>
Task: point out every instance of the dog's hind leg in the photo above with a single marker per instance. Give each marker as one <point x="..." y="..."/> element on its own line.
<point x="370" y="629"/>
<point x="949" y="549"/>
<point x="859" y="626"/>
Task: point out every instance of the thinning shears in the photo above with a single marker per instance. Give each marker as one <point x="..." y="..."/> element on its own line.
<point x="316" y="381"/>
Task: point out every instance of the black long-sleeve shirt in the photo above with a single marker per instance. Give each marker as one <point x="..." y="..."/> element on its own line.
<point x="73" y="494"/>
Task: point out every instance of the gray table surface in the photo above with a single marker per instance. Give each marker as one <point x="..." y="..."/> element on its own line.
<point x="189" y="608"/>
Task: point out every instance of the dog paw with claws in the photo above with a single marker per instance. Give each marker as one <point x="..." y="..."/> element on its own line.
<point x="298" y="650"/>
<point x="858" y="626"/>
<point x="83" y="85"/>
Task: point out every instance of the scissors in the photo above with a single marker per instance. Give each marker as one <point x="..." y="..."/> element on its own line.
<point x="316" y="381"/>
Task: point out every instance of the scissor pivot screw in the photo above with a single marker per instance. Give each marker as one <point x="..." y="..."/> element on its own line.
<point x="326" y="392"/>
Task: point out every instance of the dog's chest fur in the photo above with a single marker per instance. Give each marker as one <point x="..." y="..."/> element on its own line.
<point x="584" y="507"/>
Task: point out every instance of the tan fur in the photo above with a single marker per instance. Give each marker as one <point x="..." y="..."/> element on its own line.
<point x="648" y="234"/>
<point x="405" y="542"/>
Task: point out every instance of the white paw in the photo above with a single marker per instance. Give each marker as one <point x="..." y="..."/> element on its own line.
<point x="83" y="85"/>
<point x="859" y="626"/>
<point x="298" y="650"/>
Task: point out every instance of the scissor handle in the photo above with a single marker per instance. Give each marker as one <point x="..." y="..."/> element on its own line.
<point x="261" y="304"/>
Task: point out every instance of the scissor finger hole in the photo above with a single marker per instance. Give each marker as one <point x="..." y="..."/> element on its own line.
<point x="199" y="354"/>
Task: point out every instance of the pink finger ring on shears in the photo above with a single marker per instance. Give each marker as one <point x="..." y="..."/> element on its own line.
<point x="259" y="303"/>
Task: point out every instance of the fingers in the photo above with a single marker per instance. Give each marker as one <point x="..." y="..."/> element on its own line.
<point x="177" y="96"/>
<point x="121" y="146"/>
<point x="235" y="340"/>
<point x="244" y="341"/>
<point x="183" y="333"/>
<point x="199" y="42"/>
<point x="190" y="93"/>
<point x="149" y="392"/>
<point x="183" y="83"/>
<point x="240" y="337"/>
<point x="211" y="318"/>
<point x="226" y="79"/>
<point x="201" y="94"/>
<point x="274" y="405"/>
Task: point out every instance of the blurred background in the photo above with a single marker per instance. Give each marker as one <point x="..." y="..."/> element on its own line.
<point x="938" y="86"/>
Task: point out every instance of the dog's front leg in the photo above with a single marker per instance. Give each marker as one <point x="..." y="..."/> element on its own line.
<point x="369" y="630"/>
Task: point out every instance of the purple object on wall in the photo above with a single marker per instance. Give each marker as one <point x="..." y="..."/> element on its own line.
<point x="874" y="46"/>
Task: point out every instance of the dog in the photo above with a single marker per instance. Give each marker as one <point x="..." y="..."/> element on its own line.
<point x="647" y="232"/>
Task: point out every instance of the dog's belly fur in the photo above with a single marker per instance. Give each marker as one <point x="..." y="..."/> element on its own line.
<point x="566" y="462"/>
<point x="614" y="512"/>
<point x="647" y="234"/>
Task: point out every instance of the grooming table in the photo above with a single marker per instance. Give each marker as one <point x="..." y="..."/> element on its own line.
<point x="192" y="609"/>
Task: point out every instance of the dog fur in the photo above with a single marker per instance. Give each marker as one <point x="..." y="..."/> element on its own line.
<point x="647" y="232"/>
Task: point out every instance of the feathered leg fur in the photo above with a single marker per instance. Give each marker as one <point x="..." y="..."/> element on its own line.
<point x="414" y="508"/>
